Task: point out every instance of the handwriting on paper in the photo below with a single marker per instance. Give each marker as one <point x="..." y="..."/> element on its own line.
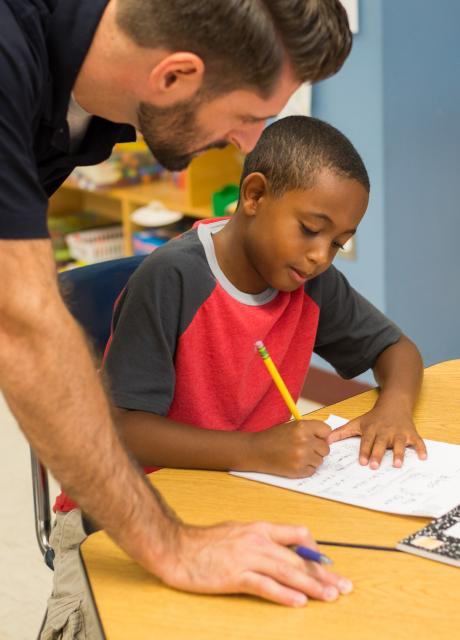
<point x="419" y="488"/>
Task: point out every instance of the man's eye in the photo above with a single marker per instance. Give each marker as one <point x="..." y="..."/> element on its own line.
<point x="338" y="245"/>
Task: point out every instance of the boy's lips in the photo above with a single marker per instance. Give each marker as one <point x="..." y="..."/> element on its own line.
<point x="299" y="276"/>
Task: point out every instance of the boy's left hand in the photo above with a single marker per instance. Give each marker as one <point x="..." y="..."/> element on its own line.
<point x="381" y="430"/>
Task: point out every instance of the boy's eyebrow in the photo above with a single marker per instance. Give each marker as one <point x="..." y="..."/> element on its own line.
<point x="323" y="216"/>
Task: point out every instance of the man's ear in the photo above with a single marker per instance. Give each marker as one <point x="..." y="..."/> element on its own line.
<point x="176" y="78"/>
<point x="253" y="192"/>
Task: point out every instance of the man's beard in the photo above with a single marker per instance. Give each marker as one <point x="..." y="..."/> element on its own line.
<point x="172" y="134"/>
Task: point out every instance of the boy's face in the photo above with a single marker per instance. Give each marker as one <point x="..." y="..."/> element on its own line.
<point x="294" y="238"/>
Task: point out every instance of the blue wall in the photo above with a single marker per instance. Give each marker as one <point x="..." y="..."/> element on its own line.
<point x="421" y="78"/>
<point x="352" y="101"/>
<point x="398" y="99"/>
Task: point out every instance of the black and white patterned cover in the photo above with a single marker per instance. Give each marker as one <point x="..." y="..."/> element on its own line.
<point x="449" y="551"/>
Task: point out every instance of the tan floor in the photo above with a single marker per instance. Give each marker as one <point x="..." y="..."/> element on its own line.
<point x="25" y="581"/>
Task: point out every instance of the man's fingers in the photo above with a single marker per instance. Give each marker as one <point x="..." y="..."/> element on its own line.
<point x="297" y="580"/>
<point x="288" y="535"/>
<point x="254" y="559"/>
<point x="265" y="587"/>
<point x="329" y="577"/>
<point x="348" y="430"/>
<point x="285" y="566"/>
<point x="316" y="570"/>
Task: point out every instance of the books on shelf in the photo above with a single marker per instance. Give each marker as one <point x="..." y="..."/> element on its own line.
<point x="440" y="540"/>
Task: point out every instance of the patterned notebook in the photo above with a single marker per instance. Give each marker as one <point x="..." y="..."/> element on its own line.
<point x="440" y="540"/>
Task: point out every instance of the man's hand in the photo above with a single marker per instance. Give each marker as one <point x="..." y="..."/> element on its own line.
<point x="381" y="429"/>
<point x="293" y="449"/>
<point x="248" y="558"/>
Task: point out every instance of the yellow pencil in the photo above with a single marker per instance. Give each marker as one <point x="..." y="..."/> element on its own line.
<point x="278" y="380"/>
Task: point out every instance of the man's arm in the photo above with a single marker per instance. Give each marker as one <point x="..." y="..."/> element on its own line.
<point x="50" y="383"/>
<point x="399" y="372"/>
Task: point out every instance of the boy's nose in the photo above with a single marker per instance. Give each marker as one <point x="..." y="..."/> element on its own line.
<point x="319" y="254"/>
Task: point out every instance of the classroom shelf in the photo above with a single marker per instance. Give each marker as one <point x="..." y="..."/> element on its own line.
<point x="206" y="174"/>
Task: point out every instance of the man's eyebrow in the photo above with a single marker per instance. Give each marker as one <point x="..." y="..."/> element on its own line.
<point x="324" y="216"/>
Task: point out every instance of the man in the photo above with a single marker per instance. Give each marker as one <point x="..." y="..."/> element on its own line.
<point x="77" y="76"/>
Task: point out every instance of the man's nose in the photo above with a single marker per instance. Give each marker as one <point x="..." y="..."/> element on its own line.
<point x="246" y="140"/>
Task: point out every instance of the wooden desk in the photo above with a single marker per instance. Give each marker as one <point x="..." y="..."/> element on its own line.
<point x="396" y="596"/>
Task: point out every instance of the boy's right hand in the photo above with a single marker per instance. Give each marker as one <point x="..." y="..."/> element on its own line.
<point x="293" y="449"/>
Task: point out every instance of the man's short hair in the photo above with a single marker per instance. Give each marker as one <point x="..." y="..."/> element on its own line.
<point x="292" y="151"/>
<point x="243" y="42"/>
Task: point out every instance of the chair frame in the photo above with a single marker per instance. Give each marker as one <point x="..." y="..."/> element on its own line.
<point x="42" y="511"/>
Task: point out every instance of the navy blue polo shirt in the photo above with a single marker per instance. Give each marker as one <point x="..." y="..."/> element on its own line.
<point x="43" y="44"/>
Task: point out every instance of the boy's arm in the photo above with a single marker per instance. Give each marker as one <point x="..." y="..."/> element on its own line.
<point x="399" y="372"/>
<point x="160" y="442"/>
<point x="294" y="449"/>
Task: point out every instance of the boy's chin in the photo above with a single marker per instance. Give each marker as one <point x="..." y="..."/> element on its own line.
<point x="285" y="288"/>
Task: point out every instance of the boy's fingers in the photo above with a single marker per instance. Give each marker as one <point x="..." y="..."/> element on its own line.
<point x="348" y="430"/>
<point x="367" y="443"/>
<point x="321" y="447"/>
<point x="378" y="451"/>
<point x="399" y="450"/>
<point x="420" y="447"/>
<point x="320" y="429"/>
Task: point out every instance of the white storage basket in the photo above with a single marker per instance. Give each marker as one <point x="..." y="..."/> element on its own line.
<point x="96" y="245"/>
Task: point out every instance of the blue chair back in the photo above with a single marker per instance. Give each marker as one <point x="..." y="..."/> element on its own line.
<point x="90" y="293"/>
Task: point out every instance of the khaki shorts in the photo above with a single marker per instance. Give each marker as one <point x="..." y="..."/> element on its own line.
<point x="70" y="614"/>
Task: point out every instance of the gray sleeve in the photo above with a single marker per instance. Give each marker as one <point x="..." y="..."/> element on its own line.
<point x="352" y="333"/>
<point x="140" y="361"/>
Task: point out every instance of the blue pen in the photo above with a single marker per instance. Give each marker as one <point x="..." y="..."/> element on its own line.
<point x="310" y="554"/>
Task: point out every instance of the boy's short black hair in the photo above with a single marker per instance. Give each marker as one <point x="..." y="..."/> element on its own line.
<point x="292" y="151"/>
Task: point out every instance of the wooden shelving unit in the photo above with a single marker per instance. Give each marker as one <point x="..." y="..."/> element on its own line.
<point x="206" y="174"/>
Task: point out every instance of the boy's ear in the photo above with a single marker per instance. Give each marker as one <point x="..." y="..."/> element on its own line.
<point x="252" y="193"/>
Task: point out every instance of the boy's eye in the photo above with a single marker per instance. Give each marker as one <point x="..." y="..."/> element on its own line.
<point x="311" y="232"/>
<point x="307" y="231"/>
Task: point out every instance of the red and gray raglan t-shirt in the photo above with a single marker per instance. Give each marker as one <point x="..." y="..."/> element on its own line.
<point x="183" y="338"/>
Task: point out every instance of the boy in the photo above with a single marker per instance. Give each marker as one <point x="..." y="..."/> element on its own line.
<point x="191" y="389"/>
